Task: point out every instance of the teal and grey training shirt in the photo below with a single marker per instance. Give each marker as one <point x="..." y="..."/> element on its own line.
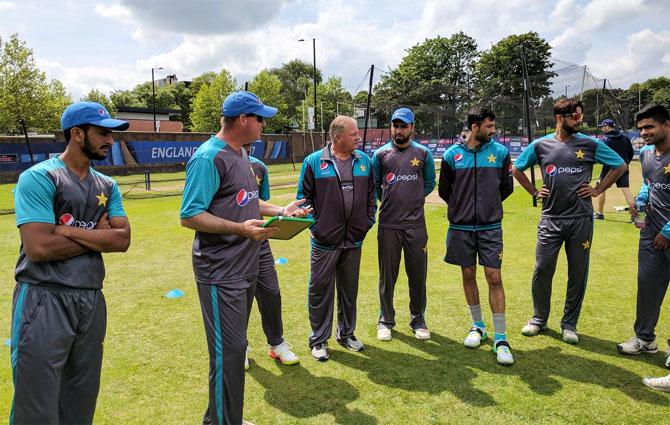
<point x="49" y="192"/>
<point x="656" y="189"/>
<point x="221" y="181"/>
<point x="565" y="166"/>
<point x="403" y="179"/>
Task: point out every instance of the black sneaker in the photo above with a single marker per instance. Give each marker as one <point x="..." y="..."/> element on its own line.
<point x="351" y="343"/>
<point x="598" y="216"/>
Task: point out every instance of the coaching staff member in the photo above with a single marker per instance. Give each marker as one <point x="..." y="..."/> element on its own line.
<point x="338" y="182"/>
<point x="221" y="203"/>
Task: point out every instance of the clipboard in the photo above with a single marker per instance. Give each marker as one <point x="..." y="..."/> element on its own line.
<point x="288" y="226"/>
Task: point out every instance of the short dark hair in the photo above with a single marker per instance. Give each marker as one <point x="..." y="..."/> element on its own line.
<point x="229" y="121"/>
<point x="478" y="115"/>
<point x="68" y="133"/>
<point x="567" y="106"/>
<point x="658" y="113"/>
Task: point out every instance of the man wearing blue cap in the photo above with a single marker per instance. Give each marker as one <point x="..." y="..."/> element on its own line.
<point x="221" y="203"/>
<point x="404" y="175"/>
<point x="619" y="142"/>
<point x="67" y="214"/>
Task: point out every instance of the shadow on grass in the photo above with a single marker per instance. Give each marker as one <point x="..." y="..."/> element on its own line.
<point x="300" y="394"/>
<point x="608" y="348"/>
<point x="453" y="369"/>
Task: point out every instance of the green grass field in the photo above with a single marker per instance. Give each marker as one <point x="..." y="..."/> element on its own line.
<point x="155" y="365"/>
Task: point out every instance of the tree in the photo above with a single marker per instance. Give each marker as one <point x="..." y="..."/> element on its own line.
<point x="499" y="76"/>
<point x="207" y="102"/>
<point x="329" y="95"/>
<point x="296" y="78"/>
<point x="435" y="74"/>
<point x="101" y="98"/>
<point x="25" y="92"/>
<point x="499" y="71"/>
<point x="268" y="87"/>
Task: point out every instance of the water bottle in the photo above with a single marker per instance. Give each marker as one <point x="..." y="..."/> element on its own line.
<point x="640" y="206"/>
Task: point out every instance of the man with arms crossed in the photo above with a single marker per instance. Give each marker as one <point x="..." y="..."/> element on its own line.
<point x="566" y="159"/>
<point x="221" y="203"/>
<point x="67" y="214"/>
<point x="475" y="179"/>
<point x="338" y="182"/>
<point x="404" y="176"/>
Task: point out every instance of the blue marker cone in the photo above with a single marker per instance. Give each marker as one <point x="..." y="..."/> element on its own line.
<point x="281" y="260"/>
<point x="174" y="293"/>
<point x="8" y="342"/>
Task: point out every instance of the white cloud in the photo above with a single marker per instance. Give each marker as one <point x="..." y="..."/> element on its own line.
<point x="7" y="5"/>
<point x="647" y="55"/>
<point x="582" y="24"/>
<point x="115" y="11"/>
<point x="197" y="17"/>
<point x="80" y="80"/>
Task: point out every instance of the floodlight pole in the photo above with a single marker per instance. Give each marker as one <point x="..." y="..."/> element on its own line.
<point x="367" y="106"/>
<point x="153" y="94"/>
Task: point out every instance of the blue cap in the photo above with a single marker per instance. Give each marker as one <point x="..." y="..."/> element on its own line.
<point x="245" y="102"/>
<point x="403" y="114"/>
<point x="608" y="122"/>
<point x="90" y="113"/>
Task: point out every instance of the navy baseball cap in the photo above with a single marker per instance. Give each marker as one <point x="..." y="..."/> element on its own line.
<point x="607" y="122"/>
<point x="90" y="113"/>
<point x="403" y="114"/>
<point x="245" y="102"/>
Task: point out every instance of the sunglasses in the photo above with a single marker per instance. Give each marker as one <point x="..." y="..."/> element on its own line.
<point x="574" y="115"/>
<point x="258" y="117"/>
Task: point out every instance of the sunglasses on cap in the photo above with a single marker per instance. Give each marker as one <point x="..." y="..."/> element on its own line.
<point x="258" y="117"/>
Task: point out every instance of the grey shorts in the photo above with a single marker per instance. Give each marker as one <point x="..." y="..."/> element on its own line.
<point x="463" y="248"/>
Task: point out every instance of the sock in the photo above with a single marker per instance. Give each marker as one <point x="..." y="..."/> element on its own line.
<point x="499" y="327"/>
<point x="476" y="314"/>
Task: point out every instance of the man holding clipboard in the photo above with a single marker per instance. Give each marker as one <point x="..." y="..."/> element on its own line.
<point x="221" y="203"/>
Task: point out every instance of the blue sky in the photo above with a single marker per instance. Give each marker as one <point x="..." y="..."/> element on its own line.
<point x="114" y="45"/>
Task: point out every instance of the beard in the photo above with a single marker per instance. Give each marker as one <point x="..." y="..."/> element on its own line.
<point x="88" y="150"/>
<point x="482" y="138"/>
<point x="571" y="130"/>
<point x="401" y="140"/>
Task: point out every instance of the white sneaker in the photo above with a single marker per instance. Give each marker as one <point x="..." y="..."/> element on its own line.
<point x="660" y="384"/>
<point x="283" y="353"/>
<point x="667" y="358"/>
<point x="384" y="334"/>
<point x="246" y="358"/>
<point x="320" y="352"/>
<point x="475" y="337"/>
<point x="637" y="346"/>
<point x="531" y="329"/>
<point x="422" y="333"/>
<point x="503" y="353"/>
<point x="569" y="336"/>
